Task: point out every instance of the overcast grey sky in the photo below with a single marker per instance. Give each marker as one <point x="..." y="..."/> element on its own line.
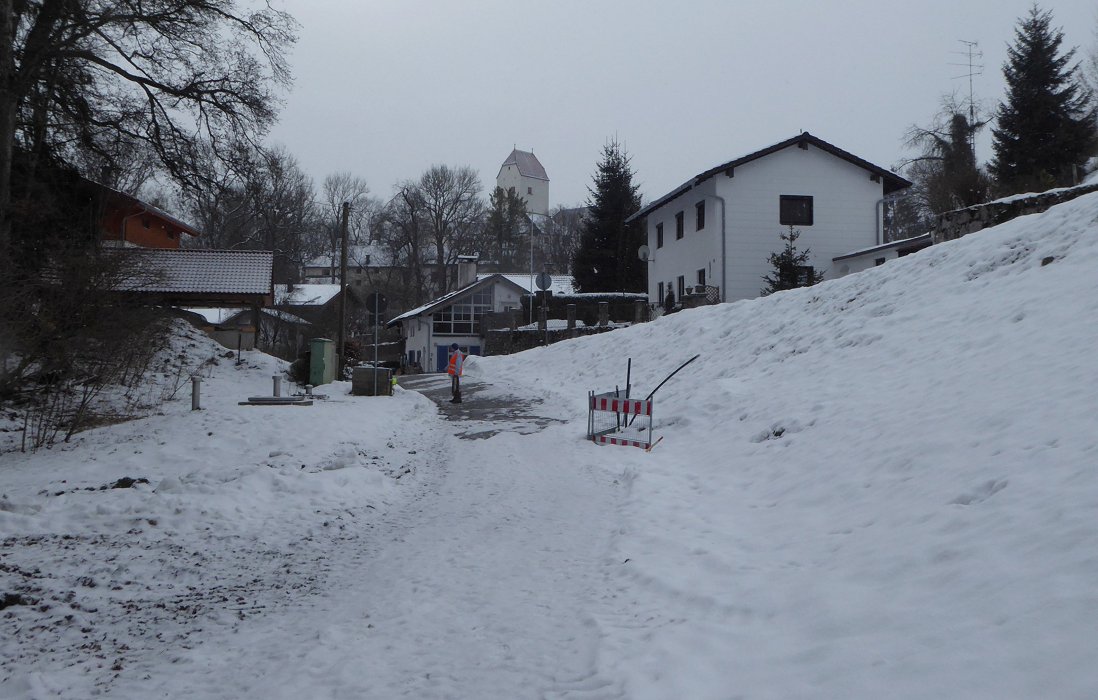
<point x="385" y="89"/>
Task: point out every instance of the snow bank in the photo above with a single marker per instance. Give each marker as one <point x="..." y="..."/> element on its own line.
<point x="882" y="486"/>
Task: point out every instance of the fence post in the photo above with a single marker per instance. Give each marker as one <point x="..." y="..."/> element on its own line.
<point x="604" y="313"/>
<point x="196" y="393"/>
<point x="277" y="385"/>
<point x="638" y="311"/>
<point x="571" y="308"/>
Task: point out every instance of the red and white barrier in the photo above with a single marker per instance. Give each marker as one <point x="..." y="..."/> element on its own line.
<point x="626" y="406"/>
<point x="602" y="433"/>
<point x="611" y="440"/>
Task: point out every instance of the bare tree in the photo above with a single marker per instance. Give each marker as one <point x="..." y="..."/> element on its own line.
<point x="452" y="211"/>
<point x="266" y="204"/>
<point x="337" y="189"/>
<point x="404" y="234"/>
<point x="564" y="230"/>
<point x="77" y="74"/>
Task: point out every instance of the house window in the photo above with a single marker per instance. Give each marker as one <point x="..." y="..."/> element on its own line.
<point x="678" y="226"/>
<point x="699" y="210"/>
<point x="701" y="277"/>
<point x="461" y="317"/>
<point x="795" y="210"/>
<point x="659" y="235"/>
<point x="682" y="287"/>
<point x="659" y="292"/>
<point x="879" y="261"/>
<point x="529" y="190"/>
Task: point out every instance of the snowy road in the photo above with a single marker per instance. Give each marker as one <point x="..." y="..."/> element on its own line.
<point x="482" y="587"/>
<point x="484" y="583"/>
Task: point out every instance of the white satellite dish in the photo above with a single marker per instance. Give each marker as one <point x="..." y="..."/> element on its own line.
<point x="643" y="252"/>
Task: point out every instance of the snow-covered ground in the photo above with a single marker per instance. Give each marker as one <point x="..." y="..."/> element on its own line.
<point x="882" y="486"/>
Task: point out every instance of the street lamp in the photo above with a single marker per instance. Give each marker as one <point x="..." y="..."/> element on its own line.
<point x="531" y="216"/>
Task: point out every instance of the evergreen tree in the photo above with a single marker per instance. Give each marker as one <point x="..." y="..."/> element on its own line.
<point x="791" y="268"/>
<point x="1046" y="126"/>
<point x="606" y="260"/>
<point x="506" y="221"/>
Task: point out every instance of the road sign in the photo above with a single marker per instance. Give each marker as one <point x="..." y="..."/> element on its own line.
<point x="544" y="281"/>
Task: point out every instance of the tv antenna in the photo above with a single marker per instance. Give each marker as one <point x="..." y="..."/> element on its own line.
<point x="973" y="53"/>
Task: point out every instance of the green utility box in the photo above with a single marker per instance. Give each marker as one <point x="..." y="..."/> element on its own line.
<point x="322" y="361"/>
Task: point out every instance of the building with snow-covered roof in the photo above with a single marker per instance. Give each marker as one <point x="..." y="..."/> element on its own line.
<point x="714" y="234"/>
<point x="523" y="172"/>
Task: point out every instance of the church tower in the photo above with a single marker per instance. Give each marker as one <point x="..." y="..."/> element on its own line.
<point x="525" y="174"/>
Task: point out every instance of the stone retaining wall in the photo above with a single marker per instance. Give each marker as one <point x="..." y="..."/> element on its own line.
<point x="960" y="222"/>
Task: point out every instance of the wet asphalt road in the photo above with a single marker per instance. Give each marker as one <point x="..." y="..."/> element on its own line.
<point x="484" y="411"/>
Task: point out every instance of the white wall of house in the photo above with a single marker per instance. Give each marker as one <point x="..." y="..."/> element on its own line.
<point x="844" y="201"/>
<point x="534" y="191"/>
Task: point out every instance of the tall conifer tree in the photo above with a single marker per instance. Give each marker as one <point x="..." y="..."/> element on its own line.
<point x="606" y="260"/>
<point x="1046" y="124"/>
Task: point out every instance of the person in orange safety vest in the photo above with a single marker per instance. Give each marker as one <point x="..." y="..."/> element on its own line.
<point x="454" y="369"/>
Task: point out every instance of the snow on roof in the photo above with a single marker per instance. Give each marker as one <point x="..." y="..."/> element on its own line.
<point x="191" y="271"/>
<point x="215" y="315"/>
<point x="305" y="294"/>
<point x="358" y="255"/>
<point x="527" y="163"/>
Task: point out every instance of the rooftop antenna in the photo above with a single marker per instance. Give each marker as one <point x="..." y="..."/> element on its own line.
<point x="972" y="51"/>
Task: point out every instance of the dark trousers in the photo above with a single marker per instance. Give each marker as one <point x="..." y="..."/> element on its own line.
<point x="455" y="386"/>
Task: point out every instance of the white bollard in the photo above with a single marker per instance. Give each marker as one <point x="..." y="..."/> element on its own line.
<point x="277" y="385"/>
<point x="196" y="393"/>
<point x="308" y="389"/>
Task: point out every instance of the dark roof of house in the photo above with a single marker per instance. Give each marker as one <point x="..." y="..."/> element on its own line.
<point x="451" y="297"/>
<point x="199" y="272"/>
<point x="528" y="164"/>
<point x="892" y="181"/>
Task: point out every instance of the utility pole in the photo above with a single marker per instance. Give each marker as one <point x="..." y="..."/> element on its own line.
<point x="342" y="286"/>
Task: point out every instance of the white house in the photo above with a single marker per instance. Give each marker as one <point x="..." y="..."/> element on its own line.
<point x="720" y="227"/>
<point x="524" y="172"/>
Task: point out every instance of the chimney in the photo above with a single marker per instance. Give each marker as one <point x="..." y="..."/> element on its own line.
<point x="466" y="270"/>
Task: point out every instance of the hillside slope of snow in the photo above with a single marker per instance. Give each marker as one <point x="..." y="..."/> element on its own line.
<point x="882" y="486"/>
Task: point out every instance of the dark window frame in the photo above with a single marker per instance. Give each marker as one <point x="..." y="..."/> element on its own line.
<point x="701" y="277"/>
<point x="792" y="210"/>
<point x="680" y="228"/>
<point x="682" y="286"/>
<point x="699" y="216"/>
<point x="659" y="235"/>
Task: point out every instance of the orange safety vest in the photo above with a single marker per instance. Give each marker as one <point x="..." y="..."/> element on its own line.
<point x="457" y="364"/>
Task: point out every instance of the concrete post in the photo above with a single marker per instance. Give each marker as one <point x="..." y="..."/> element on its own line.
<point x="604" y="313"/>
<point x="543" y="322"/>
<point x="571" y="308"/>
<point x="638" y="311"/>
<point x="277" y="385"/>
<point x="196" y="393"/>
